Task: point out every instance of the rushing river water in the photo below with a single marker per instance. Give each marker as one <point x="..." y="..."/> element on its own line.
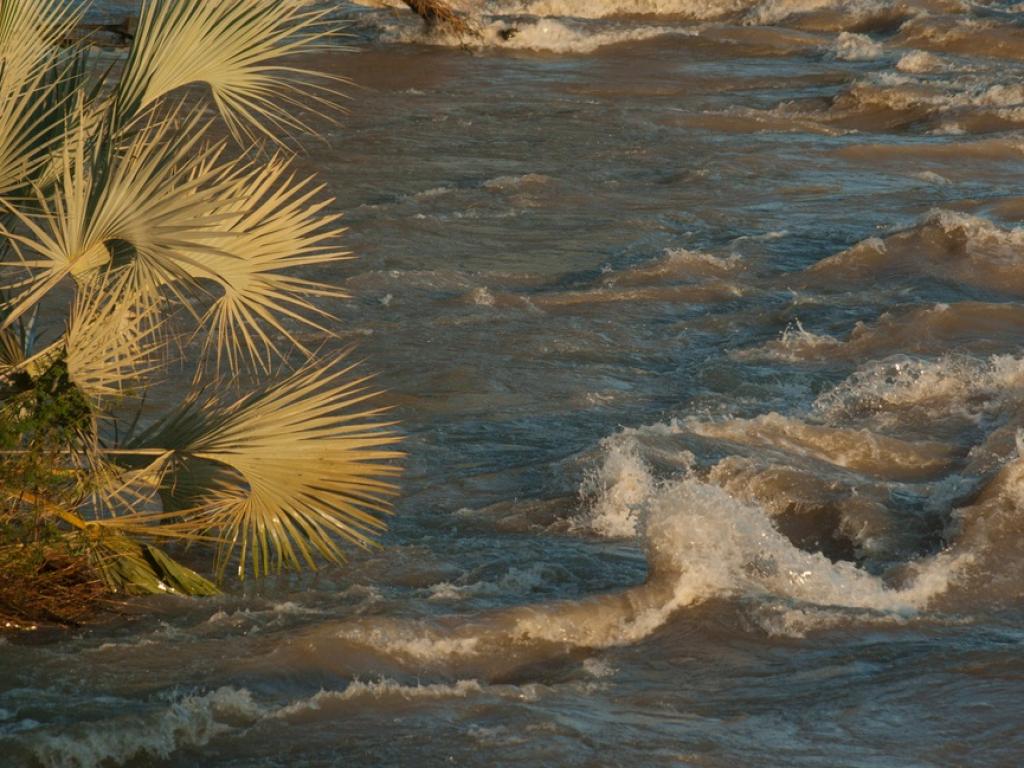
<point x="704" y="321"/>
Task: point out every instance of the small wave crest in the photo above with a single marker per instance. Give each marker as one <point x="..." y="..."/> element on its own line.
<point x="901" y="387"/>
<point x="195" y="720"/>
<point x="383" y="689"/>
<point x="851" y="46"/>
<point x="944" y="244"/>
<point x="543" y="35"/>
<point x="188" y="721"/>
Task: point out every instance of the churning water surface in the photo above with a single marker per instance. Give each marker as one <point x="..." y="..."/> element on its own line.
<point x="704" y="321"/>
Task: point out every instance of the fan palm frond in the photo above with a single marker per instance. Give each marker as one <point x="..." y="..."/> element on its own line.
<point x="30" y="30"/>
<point x="131" y="567"/>
<point x="274" y="223"/>
<point x="12" y="350"/>
<point x="112" y="342"/>
<point x="143" y="208"/>
<point x="37" y="83"/>
<point x="284" y="472"/>
<point x="116" y="208"/>
<point x="129" y="494"/>
<point x="232" y="47"/>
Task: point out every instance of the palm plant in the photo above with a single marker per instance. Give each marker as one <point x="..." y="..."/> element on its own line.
<point x="134" y="234"/>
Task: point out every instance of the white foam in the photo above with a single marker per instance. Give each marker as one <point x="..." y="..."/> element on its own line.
<point x="515" y="182"/>
<point x="554" y="36"/>
<point x="583" y="26"/>
<point x="901" y="90"/>
<point x="920" y="62"/>
<point x="585" y="9"/>
<point x="409" y="640"/>
<point x="850" y="46"/>
<point x="867" y="452"/>
<point x="794" y="344"/>
<point x="782" y="620"/>
<point x="383" y="688"/>
<point x="930" y="177"/>
<point x="773" y="235"/>
<point x="599" y="9"/>
<point x="516" y="581"/>
<point x="775" y="11"/>
<point x="980" y="232"/>
<point x="702" y="260"/>
<point x="1002" y="95"/>
<point x="952" y="384"/>
<point x="703" y="543"/>
<point x="618" y="491"/>
<point x="191" y="721"/>
<point x="432" y="192"/>
<point x="721" y="545"/>
<point x="482" y="297"/>
<point x="598" y="668"/>
<point x="195" y="720"/>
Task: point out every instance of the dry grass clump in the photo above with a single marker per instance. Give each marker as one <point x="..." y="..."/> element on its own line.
<point x="47" y="585"/>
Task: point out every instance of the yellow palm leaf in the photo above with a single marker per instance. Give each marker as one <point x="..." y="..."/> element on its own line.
<point x="36" y="81"/>
<point x="273" y="223"/>
<point x="112" y="342"/>
<point x="30" y="30"/>
<point x="142" y="208"/>
<point x="12" y="351"/>
<point x="284" y="472"/>
<point x="232" y="47"/>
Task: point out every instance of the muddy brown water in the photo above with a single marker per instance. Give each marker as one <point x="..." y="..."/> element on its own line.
<point x="703" y="320"/>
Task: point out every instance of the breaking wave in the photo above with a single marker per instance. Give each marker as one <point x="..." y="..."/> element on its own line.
<point x="945" y="245"/>
<point x="583" y="26"/>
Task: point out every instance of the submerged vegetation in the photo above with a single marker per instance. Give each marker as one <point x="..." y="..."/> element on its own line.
<point x="145" y="238"/>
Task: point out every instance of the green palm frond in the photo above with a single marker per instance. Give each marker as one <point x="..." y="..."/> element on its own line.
<point x="274" y="223"/>
<point x="284" y="472"/>
<point x="143" y="208"/>
<point x="233" y="47"/>
<point x="133" y="568"/>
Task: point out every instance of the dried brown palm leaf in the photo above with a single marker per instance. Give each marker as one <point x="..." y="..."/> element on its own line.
<point x="55" y="585"/>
